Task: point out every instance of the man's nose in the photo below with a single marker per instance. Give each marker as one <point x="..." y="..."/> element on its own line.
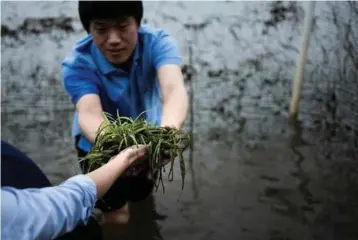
<point x="114" y="37"/>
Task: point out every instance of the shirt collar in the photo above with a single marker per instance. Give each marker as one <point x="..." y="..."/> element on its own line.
<point x="105" y="66"/>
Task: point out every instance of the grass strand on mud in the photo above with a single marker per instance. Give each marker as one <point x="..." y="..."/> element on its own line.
<point x="115" y="135"/>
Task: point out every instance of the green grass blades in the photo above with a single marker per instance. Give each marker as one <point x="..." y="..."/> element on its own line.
<point x="114" y="135"/>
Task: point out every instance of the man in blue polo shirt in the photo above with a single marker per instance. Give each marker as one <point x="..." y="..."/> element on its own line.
<point x="121" y="66"/>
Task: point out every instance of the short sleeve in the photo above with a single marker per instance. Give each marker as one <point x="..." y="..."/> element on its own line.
<point x="165" y="50"/>
<point x="78" y="81"/>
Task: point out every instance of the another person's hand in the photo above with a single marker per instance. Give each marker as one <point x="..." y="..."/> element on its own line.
<point x="136" y="156"/>
<point x="133" y="155"/>
<point x="110" y="172"/>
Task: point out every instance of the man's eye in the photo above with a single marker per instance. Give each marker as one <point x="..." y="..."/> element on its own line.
<point x="100" y="29"/>
<point x="123" y="27"/>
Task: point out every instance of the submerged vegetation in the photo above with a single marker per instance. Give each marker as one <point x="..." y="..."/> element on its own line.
<point x="164" y="145"/>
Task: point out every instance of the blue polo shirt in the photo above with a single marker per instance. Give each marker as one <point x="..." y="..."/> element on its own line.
<point x="85" y="70"/>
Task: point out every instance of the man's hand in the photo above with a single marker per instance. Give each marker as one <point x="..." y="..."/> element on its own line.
<point x="166" y="153"/>
<point x="182" y="145"/>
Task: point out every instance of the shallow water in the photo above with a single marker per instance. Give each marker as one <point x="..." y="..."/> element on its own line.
<point x="253" y="174"/>
<point x="277" y="188"/>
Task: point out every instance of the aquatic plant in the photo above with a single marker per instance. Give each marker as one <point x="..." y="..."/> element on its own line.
<point x="114" y="135"/>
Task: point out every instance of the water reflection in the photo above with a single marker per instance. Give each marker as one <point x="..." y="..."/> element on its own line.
<point x="273" y="187"/>
<point x="142" y="225"/>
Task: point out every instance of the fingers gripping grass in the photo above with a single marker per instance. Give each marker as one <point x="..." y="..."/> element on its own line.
<point x="114" y="135"/>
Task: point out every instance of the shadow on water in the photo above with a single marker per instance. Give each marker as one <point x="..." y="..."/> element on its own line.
<point x="304" y="179"/>
<point x="190" y="76"/>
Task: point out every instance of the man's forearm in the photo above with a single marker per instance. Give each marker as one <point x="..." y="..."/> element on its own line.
<point x="175" y="108"/>
<point x="89" y="124"/>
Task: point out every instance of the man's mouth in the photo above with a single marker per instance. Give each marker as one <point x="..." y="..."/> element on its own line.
<point x="115" y="51"/>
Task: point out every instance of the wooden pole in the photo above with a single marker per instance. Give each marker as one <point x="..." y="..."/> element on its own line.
<point x="191" y="97"/>
<point x="296" y="89"/>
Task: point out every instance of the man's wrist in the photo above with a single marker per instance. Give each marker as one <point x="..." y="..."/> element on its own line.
<point x="171" y="125"/>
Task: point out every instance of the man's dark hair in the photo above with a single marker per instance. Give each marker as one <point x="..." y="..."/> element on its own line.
<point x="90" y="10"/>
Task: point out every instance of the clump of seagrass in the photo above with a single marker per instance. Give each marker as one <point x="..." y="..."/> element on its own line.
<point x="115" y="135"/>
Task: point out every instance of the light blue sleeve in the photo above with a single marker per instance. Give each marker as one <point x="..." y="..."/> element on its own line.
<point x="46" y="213"/>
<point x="165" y="50"/>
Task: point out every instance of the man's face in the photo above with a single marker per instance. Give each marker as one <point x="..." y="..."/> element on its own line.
<point x="115" y="39"/>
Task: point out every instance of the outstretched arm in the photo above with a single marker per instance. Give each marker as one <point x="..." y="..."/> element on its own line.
<point x="47" y="213"/>
<point x="175" y="98"/>
<point x="90" y="115"/>
<point x="167" y="63"/>
<point x="80" y="84"/>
